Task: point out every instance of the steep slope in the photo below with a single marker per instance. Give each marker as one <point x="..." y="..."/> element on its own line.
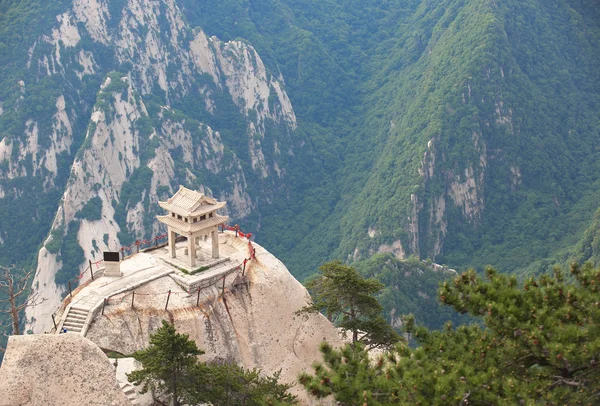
<point x="251" y="321"/>
<point x="459" y="130"/>
<point x="411" y="287"/>
<point x="465" y="131"/>
<point x="483" y="124"/>
<point x="136" y="102"/>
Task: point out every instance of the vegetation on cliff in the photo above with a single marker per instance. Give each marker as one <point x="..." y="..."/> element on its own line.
<point x="170" y="368"/>
<point x="464" y="130"/>
<point x="410" y="287"/>
<point x="539" y="344"/>
<point x="348" y="300"/>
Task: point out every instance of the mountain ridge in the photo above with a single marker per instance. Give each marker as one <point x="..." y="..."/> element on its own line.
<point x="463" y="131"/>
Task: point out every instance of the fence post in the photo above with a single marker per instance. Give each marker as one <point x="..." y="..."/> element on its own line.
<point x="54" y="321"/>
<point x="223" y="288"/>
<point x="198" y="298"/>
<point x="70" y="292"/>
<point x="132" y="297"/>
<point x="244" y="269"/>
<point x="91" y="270"/>
<point x="103" y="306"/>
<point x="168" y="297"/>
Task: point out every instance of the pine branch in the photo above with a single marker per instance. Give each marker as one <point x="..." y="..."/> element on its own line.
<point x="561" y="380"/>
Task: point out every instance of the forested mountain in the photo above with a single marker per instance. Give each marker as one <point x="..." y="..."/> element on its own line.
<point x="470" y="137"/>
<point x="463" y="131"/>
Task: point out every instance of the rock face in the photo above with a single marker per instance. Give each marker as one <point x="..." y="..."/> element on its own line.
<point x="64" y="369"/>
<point x="253" y="323"/>
<point x="157" y="104"/>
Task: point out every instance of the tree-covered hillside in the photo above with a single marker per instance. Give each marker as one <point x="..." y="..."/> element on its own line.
<point x="411" y="287"/>
<point x="463" y="131"/>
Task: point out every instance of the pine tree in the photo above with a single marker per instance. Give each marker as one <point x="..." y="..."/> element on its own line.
<point x="348" y="300"/>
<point x="228" y="384"/>
<point x="170" y="365"/>
<point x="171" y="369"/>
<point x="539" y="344"/>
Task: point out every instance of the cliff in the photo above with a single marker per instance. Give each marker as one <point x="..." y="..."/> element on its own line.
<point x="235" y="312"/>
<point x="132" y="102"/>
<point x="64" y="369"/>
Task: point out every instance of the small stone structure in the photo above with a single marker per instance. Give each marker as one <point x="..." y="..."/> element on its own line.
<point x="112" y="264"/>
<point x="192" y="215"/>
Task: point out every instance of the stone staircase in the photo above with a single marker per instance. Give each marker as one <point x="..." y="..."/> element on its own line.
<point x="129" y="391"/>
<point x="123" y="366"/>
<point x="75" y="320"/>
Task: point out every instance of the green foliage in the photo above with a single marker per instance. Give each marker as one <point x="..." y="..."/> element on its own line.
<point x="170" y="368"/>
<point x="56" y="238"/>
<point x="348" y="300"/>
<point x="118" y="85"/>
<point x="92" y="210"/>
<point x="410" y="287"/>
<point x="131" y="194"/>
<point x="512" y="98"/>
<point x="71" y="255"/>
<point x="540" y="345"/>
<point x="229" y="384"/>
<point x="168" y="365"/>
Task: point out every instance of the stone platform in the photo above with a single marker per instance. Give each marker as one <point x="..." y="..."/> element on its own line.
<point x="207" y="269"/>
<point x="142" y="268"/>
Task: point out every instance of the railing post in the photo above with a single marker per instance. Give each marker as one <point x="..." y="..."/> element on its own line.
<point x="223" y="288"/>
<point x="168" y="297"/>
<point x="198" y="298"/>
<point x="54" y="321"/>
<point x="91" y="270"/>
<point x="103" y="306"/>
<point x="70" y="292"/>
<point x="244" y="269"/>
<point x="132" y="298"/>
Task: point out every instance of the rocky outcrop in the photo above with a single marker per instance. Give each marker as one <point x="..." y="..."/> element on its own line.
<point x="253" y="323"/>
<point x="156" y="123"/>
<point x="66" y="369"/>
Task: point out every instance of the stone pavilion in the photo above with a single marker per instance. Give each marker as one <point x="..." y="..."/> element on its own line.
<point x="194" y="216"/>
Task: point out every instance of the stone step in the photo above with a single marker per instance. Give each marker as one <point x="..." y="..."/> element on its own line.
<point x="74" y="322"/>
<point x="82" y="312"/>
<point x="81" y="317"/>
<point x="129" y="391"/>
<point x="69" y="324"/>
<point x="73" y="329"/>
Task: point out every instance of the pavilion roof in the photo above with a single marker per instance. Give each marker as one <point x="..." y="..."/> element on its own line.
<point x="179" y="225"/>
<point x="187" y="202"/>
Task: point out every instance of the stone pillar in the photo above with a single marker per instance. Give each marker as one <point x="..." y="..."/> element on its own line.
<point x="215" y="243"/>
<point x="172" y="237"/>
<point x="192" y="250"/>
